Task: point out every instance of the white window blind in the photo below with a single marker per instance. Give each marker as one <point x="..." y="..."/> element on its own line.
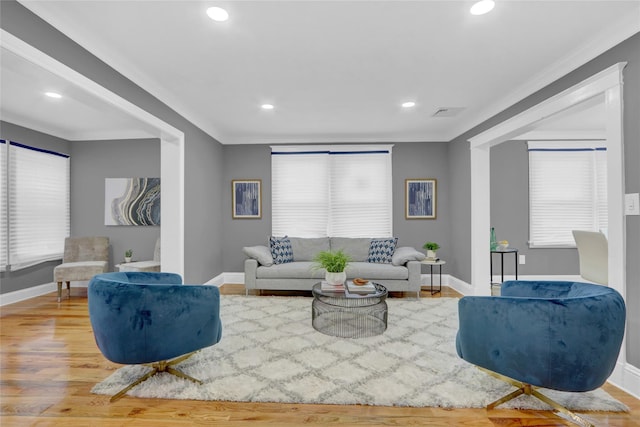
<point x="342" y="191"/>
<point x="567" y="190"/>
<point x="38" y="205"/>
<point x="3" y="206"/>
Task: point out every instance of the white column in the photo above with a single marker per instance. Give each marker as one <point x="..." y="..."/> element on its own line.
<point x="480" y="219"/>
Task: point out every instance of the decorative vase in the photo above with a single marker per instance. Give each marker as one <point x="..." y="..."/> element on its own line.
<point x="431" y="254"/>
<point x="494" y="241"/>
<point x="335" y="278"/>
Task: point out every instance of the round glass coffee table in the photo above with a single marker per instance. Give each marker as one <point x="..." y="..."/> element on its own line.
<point x="349" y="316"/>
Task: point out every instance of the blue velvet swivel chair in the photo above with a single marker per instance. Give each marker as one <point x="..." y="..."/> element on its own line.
<point x="152" y="318"/>
<point x="558" y="335"/>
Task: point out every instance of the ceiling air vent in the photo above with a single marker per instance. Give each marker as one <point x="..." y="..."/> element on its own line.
<point x="447" y="111"/>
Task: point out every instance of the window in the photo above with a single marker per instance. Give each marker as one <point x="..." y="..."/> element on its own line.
<point x="35" y="203"/>
<point x="3" y="206"/>
<point x="342" y="191"/>
<point x="567" y="190"/>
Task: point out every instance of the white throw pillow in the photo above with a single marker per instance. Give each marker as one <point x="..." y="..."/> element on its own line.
<point x="260" y="253"/>
<point x="404" y="254"/>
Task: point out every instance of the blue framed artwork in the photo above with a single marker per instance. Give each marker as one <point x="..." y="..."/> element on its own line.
<point x="246" y="198"/>
<point x="420" y="198"/>
<point x="132" y="201"/>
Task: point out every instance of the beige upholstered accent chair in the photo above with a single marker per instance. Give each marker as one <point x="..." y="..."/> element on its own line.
<point x="593" y="251"/>
<point x="149" y="266"/>
<point x="84" y="257"/>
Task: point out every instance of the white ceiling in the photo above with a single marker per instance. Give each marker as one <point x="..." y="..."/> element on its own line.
<point x="78" y="115"/>
<point x="336" y="71"/>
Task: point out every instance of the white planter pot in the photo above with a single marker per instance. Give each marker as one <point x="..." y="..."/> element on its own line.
<point x="127" y="259"/>
<point x="431" y="254"/>
<point x="335" y="278"/>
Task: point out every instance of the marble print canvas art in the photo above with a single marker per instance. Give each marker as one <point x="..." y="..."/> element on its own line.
<point x="132" y="201"/>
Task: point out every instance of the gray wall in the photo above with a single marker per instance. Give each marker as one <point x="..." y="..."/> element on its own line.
<point x="410" y="160"/>
<point x="203" y="154"/>
<point x="459" y="157"/>
<point x="510" y="215"/>
<point x="42" y="273"/>
<point x="91" y="163"/>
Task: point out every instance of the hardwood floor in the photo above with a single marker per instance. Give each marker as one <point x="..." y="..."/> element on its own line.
<point x="49" y="363"/>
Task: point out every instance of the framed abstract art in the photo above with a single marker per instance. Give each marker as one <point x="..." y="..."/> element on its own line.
<point x="420" y="198"/>
<point x="246" y="198"/>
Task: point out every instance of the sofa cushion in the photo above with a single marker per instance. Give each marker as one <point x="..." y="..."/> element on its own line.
<point x="356" y="247"/>
<point x="306" y="248"/>
<point x="78" y="271"/>
<point x="381" y="250"/>
<point x="406" y="253"/>
<point x="281" y="249"/>
<point x="260" y="253"/>
<point x="373" y="271"/>
<point x="291" y="270"/>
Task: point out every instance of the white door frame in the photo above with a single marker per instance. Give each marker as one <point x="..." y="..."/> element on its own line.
<point x="606" y="84"/>
<point x="171" y="148"/>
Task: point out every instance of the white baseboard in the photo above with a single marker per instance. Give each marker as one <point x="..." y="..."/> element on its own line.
<point x="218" y="281"/>
<point x="627" y="378"/>
<point x="460" y="285"/>
<point x="35" y="291"/>
<point x="560" y="277"/>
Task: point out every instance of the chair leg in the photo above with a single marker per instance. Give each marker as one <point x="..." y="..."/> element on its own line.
<point x="158" y="367"/>
<point x="59" y="291"/>
<point x="69" y="290"/>
<point x="530" y="390"/>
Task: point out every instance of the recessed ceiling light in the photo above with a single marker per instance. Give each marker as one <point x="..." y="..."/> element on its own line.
<point x="482" y="7"/>
<point x="217" y="14"/>
<point x="267" y="107"/>
<point x="53" y="95"/>
<point x="408" y="104"/>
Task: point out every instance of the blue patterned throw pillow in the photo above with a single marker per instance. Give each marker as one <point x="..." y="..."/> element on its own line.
<point x="281" y="249"/>
<point x="381" y="250"/>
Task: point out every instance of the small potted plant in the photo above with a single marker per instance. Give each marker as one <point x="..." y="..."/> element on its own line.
<point x="127" y="255"/>
<point x="431" y="248"/>
<point x="334" y="262"/>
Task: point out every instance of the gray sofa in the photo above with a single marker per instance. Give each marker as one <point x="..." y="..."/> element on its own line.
<point x="261" y="272"/>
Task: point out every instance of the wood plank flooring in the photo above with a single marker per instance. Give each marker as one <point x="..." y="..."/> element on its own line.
<point x="49" y="362"/>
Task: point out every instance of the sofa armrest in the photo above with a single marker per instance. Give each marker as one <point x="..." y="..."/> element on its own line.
<point x="250" y="272"/>
<point x="415" y="273"/>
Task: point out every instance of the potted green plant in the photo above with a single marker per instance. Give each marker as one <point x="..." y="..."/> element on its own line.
<point x="334" y="262"/>
<point x="127" y="255"/>
<point x="431" y="248"/>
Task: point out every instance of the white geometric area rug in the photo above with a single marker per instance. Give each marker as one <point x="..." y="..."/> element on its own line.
<point x="269" y="352"/>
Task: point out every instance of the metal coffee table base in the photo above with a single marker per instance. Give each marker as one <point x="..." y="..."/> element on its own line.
<point x="334" y="314"/>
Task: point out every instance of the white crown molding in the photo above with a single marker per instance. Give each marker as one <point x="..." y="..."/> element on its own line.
<point x="581" y="92"/>
<point x="550" y="135"/>
<point x="109" y="134"/>
<point x="7" y="116"/>
<point x="613" y="35"/>
<point x="96" y="46"/>
<point x="334" y="139"/>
